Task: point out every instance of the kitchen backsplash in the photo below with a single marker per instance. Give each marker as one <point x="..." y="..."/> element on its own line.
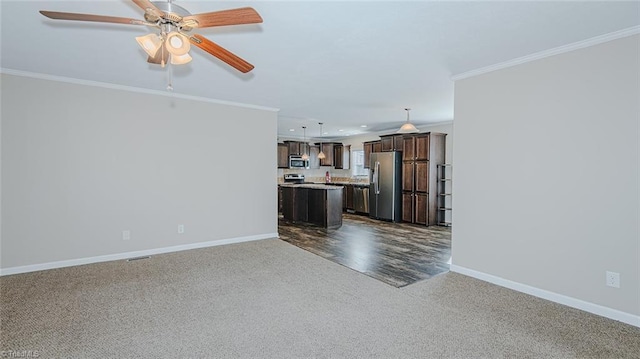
<point x="318" y="175"/>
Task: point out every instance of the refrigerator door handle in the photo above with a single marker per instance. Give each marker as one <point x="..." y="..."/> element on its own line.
<point x="374" y="178"/>
<point x="377" y="177"/>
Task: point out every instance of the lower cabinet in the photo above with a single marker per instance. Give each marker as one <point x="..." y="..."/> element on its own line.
<point x="415" y="207"/>
<point x="325" y="207"/>
<point x="302" y="204"/>
<point x="348" y="197"/>
<point x="422" y="208"/>
<point x="407" y="206"/>
<point x="322" y="207"/>
<point x="288" y="203"/>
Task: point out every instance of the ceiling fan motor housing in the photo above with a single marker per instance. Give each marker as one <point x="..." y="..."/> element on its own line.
<point x="173" y="12"/>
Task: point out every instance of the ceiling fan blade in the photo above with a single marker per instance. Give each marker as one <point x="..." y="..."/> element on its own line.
<point x="244" y="15"/>
<point x="148" y="7"/>
<point x="87" y="17"/>
<point x="161" y="58"/>
<point x="221" y="53"/>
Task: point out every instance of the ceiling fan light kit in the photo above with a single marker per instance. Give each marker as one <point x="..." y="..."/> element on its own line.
<point x="181" y="59"/>
<point x="174" y="23"/>
<point x="177" y="44"/>
<point x="150" y="43"/>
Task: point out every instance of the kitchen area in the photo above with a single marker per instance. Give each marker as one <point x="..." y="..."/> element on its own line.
<point x="383" y="211"/>
<point x="413" y="186"/>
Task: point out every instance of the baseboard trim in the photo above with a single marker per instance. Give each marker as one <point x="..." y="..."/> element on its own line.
<point x="126" y="255"/>
<point x="551" y="296"/>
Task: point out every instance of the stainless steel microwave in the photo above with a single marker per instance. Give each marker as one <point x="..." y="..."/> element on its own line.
<point x="298" y="162"/>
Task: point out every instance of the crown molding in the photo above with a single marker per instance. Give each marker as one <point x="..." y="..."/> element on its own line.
<point x="75" y="81"/>
<point x="550" y="52"/>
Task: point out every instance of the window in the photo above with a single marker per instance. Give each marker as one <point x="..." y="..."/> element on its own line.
<point x="358" y="163"/>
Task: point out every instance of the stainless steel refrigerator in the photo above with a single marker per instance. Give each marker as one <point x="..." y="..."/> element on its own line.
<point x="385" y="190"/>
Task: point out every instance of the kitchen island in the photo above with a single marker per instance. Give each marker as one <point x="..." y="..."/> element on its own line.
<point x="317" y="204"/>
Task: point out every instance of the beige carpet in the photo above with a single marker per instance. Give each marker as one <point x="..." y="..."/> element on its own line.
<point x="270" y="299"/>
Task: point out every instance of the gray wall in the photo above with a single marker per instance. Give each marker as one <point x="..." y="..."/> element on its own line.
<point x="546" y="174"/>
<point x="80" y="164"/>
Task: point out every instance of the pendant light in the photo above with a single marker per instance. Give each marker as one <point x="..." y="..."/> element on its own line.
<point x="305" y="156"/>
<point x="408" y="127"/>
<point x="321" y="155"/>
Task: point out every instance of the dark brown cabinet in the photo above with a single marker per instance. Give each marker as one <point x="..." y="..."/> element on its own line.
<point x="408" y="149"/>
<point x="421" y="182"/>
<point x="368" y="148"/>
<point x="421" y="208"/>
<point x="283" y="155"/>
<point x="421" y="154"/>
<point x="407" y="176"/>
<point x="391" y="143"/>
<point x="297" y="148"/>
<point x="407" y="206"/>
<point x="422" y="147"/>
<point x="288" y="202"/>
<point x="322" y="207"/>
<point x="336" y="154"/>
<point x="327" y="149"/>
<point x="325" y="207"/>
<point x="302" y="204"/>
<point x="386" y="143"/>
<point x="377" y="146"/>
<point x="291" y="148"/>
<point x="294" y="148"/>
<point x="341" y="156"/>
<point x="348" y="197"/>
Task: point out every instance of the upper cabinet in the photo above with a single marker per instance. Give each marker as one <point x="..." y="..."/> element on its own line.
<point x="416" y="147"/>
<point x="336" y="154"/>
<point x="283" y="155"/>
<point x="377" y="146"/>
<point x="294" y="148"/>
<point x="391" y="143"/>
<point x="408" y="149"/>
<point x="297" y="148"/>
<point x="327" y="149"/>
<point x="341" y="156"/>
<point x="368" y="148"/>
<point x="422" y="147"/>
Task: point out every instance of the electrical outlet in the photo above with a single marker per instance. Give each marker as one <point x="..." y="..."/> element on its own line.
<point x="180" y="228"/>
<point x="126" y="235"/>
<point x="613" y="279"/>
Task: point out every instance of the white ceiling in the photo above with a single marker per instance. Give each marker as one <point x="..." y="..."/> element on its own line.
<point x="346" y="64"/>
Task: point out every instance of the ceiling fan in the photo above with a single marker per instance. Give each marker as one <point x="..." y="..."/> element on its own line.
<point x="172" y="43"/>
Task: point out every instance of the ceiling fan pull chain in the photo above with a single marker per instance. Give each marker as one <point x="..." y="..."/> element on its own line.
<point x="169" y="76"/>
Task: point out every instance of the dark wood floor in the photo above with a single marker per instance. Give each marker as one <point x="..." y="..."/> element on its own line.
<point x="395" y="253"/>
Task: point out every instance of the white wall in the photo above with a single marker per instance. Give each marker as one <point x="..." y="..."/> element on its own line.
<point x="80" y="164"/>
<point x="546" y="175"/>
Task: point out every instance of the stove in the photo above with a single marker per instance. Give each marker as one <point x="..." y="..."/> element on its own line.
<point x="294" y="178"/>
